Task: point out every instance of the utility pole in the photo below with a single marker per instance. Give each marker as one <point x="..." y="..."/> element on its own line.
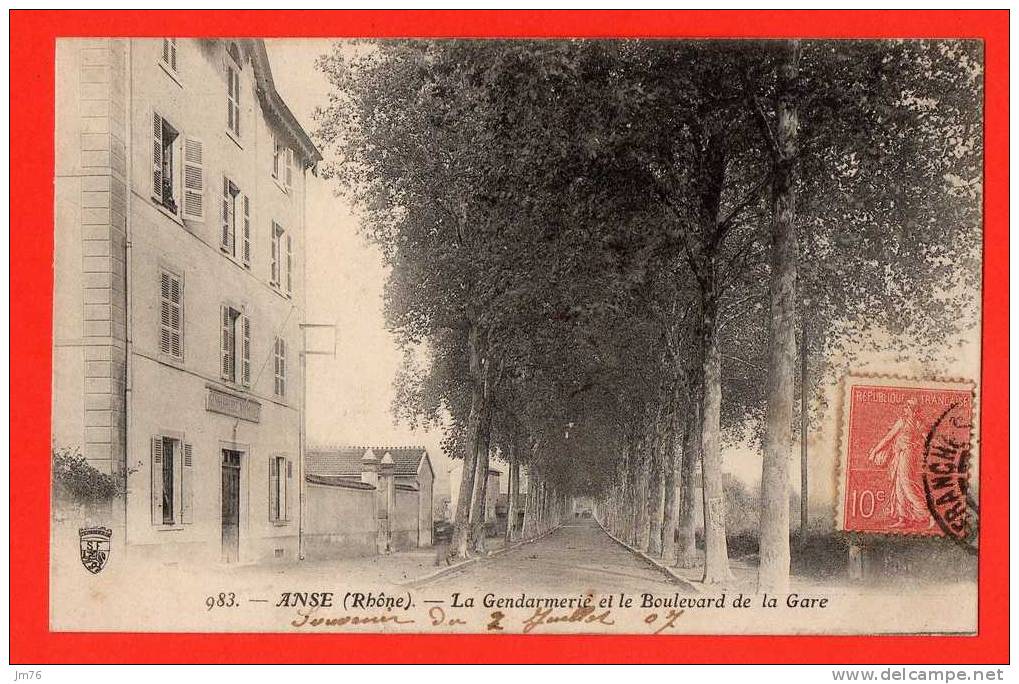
<point x="305" y="353"/>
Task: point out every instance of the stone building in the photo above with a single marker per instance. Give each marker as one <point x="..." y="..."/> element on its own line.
<point x="179" y="291"/>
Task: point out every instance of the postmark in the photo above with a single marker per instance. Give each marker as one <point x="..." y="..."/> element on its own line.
<point x="905" y="456"/>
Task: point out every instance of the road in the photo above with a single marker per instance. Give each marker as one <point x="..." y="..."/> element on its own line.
<point x="574" y="559"/>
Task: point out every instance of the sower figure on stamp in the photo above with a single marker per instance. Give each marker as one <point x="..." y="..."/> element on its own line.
<point x="903" y="455"/>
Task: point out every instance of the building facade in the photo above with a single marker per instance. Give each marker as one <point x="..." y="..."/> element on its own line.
<point x="179" y="291"/>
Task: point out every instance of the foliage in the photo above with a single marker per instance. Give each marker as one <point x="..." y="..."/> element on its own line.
<point x="74" y="478"/>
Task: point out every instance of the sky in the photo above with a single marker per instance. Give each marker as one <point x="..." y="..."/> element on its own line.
<point x="348" y="396"/>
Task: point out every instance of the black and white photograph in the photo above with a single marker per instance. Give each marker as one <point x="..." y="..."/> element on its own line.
<point x="559" y="336"/>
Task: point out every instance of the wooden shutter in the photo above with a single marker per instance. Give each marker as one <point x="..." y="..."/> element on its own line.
<point x="171" y="322"/>
<point x="165" y="330"/>
<point x="290" y="267"/>
<point x="157" y="156"/>
<point x="290" y="166"/>
<point x="246" y="247"/>
<point x="227" y="344"/>
<point x="274" y="257"/>
<point x="274" y="475"/>
<point x="288" y="495"/>
<point x="194" y="180"/>
<point x="176" y="317"/>
<point x="275" y="168"/>
<point x="230" y="97"/>
<point x="173" y="54"/>
<point x="157" y="481"/>
<point x="283" y="368"/>
<point x="245" y="350"/>
<point x="226" y="234"/>
<point x="187" y="500"/>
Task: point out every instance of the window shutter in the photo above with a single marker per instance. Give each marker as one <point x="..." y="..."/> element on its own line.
<point x="274" y="257"/>
<point x="290" y="166"/>
<point x="171" y="315"/>
<point x="274" y="169"/>
<point x="290" y="267"/>
<point x="194" y="180"/>
<point x="224" y="240"/>
<point x="246" y="250"/>
<point x="289" y="497"/>
<point x="173" y="54"/>
<point x="273" y="487"/>
<point x="187" y="501"/>
<point x="230" y="98"/>
<point x="176" y="318"/>
<point x="283" y="368"/>
<point x="165" y="306"/>
<point x="157" y="481"/>
<point x="157" y="156"/>
<point x="226" y="347"/>
<point x="245" y="350"/>
<point x="276" y="365"/>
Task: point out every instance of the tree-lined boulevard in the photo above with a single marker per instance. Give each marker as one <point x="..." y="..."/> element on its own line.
<point x="610" y="259"/>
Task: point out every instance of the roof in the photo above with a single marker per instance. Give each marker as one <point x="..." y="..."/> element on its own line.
<point x="345" y="461"/>
<point x="346" y="483"/>
<point x="274" y="105"/>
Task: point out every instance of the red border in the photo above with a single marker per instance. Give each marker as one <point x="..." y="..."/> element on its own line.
<point x="31" y="243"/>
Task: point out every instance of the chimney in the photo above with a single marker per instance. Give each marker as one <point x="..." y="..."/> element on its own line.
<point x="370" y="468"/>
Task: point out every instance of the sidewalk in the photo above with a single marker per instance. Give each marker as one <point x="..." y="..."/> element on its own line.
<point x="393" y="569"/>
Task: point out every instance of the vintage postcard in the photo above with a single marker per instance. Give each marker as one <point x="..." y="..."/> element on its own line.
<point x="629" y="336"/>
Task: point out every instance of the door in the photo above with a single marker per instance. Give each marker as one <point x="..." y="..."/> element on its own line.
<point x="231" y="505"/>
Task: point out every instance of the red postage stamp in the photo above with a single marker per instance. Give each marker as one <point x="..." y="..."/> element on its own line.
<point x="906" y="455"/>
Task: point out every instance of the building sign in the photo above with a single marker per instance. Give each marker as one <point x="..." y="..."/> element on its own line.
<point x="231" y="405"/>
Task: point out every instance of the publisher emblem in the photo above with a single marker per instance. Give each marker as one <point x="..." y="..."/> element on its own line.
<point x="95" y="547"/>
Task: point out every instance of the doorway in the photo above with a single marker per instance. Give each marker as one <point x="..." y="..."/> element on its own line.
<point x="231" y="505"/>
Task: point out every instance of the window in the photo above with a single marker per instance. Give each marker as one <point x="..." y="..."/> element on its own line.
<point x="281" y="471"/>
<point x="172" y="495"/>
<point x="277" y="156"/>
<point x="233" y="98"/>
<point x="229" y="232"/>
<point x="171" y="315"/>
<point x="236" y="210"/>
<point x="167" y="177"/>
<point x="279" y="356"/>
<point x="281" y="259"/>
<point x="170" y="53"/>
<point x="235" y="346"/>
<point x="164" y="144"/>
<point x="282" y="163"/>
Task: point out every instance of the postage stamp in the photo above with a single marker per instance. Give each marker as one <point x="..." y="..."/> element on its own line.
<point x="905" y="456"/>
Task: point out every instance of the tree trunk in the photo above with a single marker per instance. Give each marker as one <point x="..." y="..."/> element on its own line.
<point x="479" y="499"/>
<point x="716" y="554"/>
<point x="686" y="544"/>
<point x="656" y="482"/>
<point x="527" y="532"/>
<point x="670" y="511"/>
<point x="514" y="492"/>
<point x="642" y="519"/>
<point x="460" y="541"/>
<point x="773" y="572"/>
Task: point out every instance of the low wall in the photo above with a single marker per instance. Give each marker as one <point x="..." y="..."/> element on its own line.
<point x="340" y="520"/>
